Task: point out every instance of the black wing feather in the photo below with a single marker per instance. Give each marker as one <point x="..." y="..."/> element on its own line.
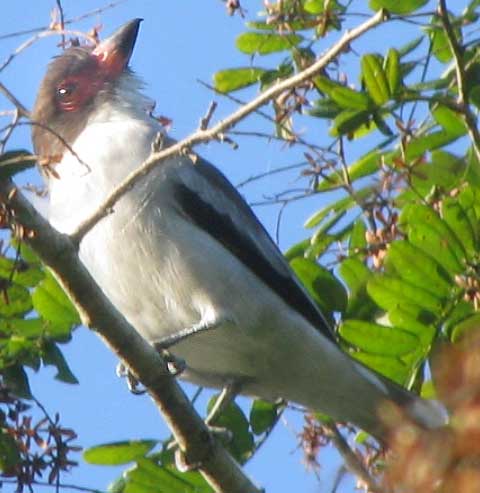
<point x="222" y="228"/>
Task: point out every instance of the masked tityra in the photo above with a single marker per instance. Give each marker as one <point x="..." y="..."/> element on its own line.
<point x="182" y="251"/>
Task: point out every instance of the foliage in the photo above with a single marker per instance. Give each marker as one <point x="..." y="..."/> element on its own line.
<point x="405" y="215"/>
<point x="400" y="235"/>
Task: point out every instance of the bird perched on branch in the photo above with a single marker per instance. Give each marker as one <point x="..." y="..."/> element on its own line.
<point x="183" y="257"/>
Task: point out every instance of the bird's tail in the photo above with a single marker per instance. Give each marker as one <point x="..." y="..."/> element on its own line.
<point x="349" y="391"/>
<point x="427" y="413"/>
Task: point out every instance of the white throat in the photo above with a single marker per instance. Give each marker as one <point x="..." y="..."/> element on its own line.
<point x="115" y="141"/>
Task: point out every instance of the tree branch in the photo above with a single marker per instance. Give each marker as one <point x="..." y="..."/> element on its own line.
<point x="213" y="133"/>
<point x="463" y="97"/>
<point x="59" y="253"/>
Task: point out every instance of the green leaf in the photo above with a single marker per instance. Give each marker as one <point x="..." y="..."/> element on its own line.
<point x="30" y="327"/>
<point x="398" y="6"/>
<point x="307" y="22"/>
<point x="349" y="99"/>
<point x="355" y="273"/>
<point x="321" y="240"/>
<point x="26" y="253"/>
<point x="324" y="108"/>
<point x="393" y="72"/>
<point x="316" y="6"/>
<point x="367" y="165"/>
<point x="348" y="121"/>
<point x="15" y="300"/>
<point x="265" y="43"/>
<point x="459" y="222"/>
<point x="229" y="80"/>
<point x="440" y="45"/>
<point x="271" y="77"/>
<point x="424" y="332"/>
<point x="149" y="477"/>
<point x="319" y="245"/>
<point x="375" y="79"/>
<point x="381" y="124"/>
<point x="117" y="453"/>
<point x="460" y="311"/>
<point x="9" y="453"/>
<point x="20" y="272"/>
<point x="330" y="222"/>
<point x="16" y="379"/>
<point x="52" y="355"/>
<point x="17" y="349"/>
<point x="415" y="90"/>
<point x="410" y="46"/>
<point x="416" y="267"/>
<point x="474" y="96"/>
<point x="445" y="170"/>
<point x="357" y="241"/>
<point x="321" y="284"/>
<point x="14" y="162"/>
<point x="388" y="366"/>
<point x="378" y="339"/>
<point x="50" y="301"/>
<point x="233" y="419"/>
<point x="325" y="85"/>
<point x="263" y="415"/>
<point x="430" y="233"/>
<point x="297" y="250"/>
<point x="342" y="205"/>
<point x="426" y="143"/>
<point x="390" y="293"/>
<point x="450" y="120"/>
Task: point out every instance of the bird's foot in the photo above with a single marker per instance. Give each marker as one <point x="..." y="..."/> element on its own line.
<point x="133" y="383"/>
<point x="226" y="397"/>
<point x="175" y="365"/>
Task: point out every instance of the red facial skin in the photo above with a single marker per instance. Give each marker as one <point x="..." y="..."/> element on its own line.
<point x="78" y="89"/>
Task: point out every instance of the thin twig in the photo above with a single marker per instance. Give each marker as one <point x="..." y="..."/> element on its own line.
<point x="62" y="21"/>
<point x="45" y="484"/>
<point x="205" y="121"/>
<point x="9" y="129"/>
<point x="271" y="137"/>
<point x="30" y="41"/>
<point x="81" y="17"/>
<point x="463" y="97"/>
<point x="58" y="441"/>
<point x="278" y="222"/>
<point x="20" y="107"/>
<point x="280" y="169"/>
<point x="209" y="134"/>
<point x="352" y="462"/>
<point x="295" y="138"/>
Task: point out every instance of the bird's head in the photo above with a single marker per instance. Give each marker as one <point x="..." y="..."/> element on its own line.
<point x="75" y="82"/>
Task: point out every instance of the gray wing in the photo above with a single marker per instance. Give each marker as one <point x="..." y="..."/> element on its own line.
<point x="211" y="202"/>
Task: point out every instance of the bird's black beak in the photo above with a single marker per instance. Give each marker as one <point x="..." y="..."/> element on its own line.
<point x="114" y="52"/>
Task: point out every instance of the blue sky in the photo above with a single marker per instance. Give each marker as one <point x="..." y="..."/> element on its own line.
<point x="179" y="42"/>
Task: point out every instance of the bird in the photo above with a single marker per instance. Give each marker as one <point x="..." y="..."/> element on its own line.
<point x="182" y="255"/>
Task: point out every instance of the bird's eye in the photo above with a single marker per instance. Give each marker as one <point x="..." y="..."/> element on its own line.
<point x="66" y="90"/>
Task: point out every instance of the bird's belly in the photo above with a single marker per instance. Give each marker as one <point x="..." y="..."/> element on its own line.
<point x="162" y="284"/>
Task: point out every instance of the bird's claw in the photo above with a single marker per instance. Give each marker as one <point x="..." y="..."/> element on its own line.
<point x="133" y="383"/>
<point x="175" y="365"/>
